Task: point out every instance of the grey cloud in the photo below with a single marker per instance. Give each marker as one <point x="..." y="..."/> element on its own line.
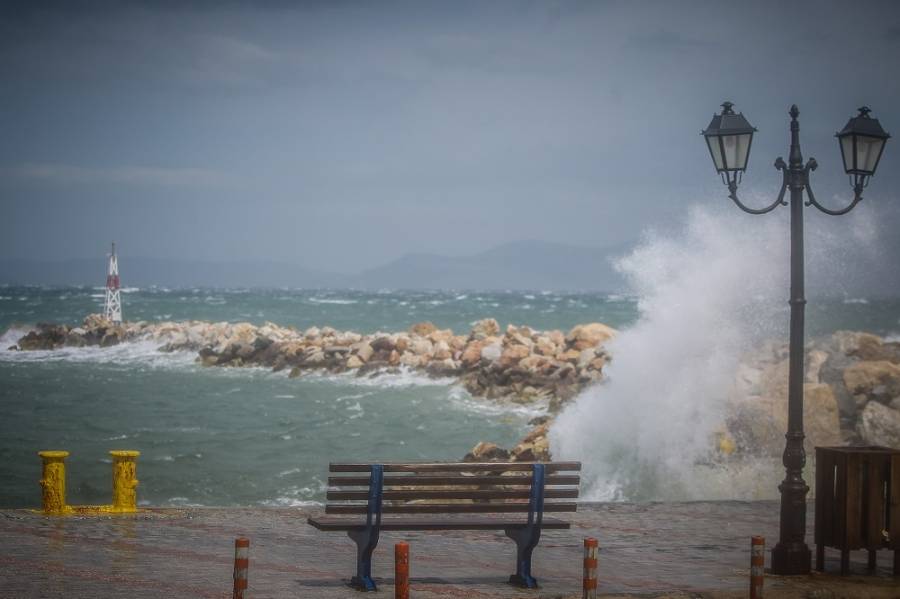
<point x="63" y="174"/>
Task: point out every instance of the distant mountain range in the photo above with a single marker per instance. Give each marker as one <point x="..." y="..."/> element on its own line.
<point x="516" y="266"/>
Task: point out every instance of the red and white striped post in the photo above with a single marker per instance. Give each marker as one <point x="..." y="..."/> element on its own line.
<point x="401" y="571"/>
<point x="757" y="566"/>
<point x="241" y="563"/>
<point x="589" y="583"/>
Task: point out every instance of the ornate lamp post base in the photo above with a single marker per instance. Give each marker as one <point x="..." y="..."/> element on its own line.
<point x="790" y="559"/>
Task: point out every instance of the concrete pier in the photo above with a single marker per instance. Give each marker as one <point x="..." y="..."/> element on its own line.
<point x="648" y="550"/>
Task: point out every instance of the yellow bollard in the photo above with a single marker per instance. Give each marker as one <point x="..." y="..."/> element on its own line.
<point x="53" y="482"/>
<point x="124" y="480"/>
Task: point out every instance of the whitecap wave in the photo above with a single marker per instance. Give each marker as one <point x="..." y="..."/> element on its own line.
<point x="143" y="353"/>
<point x="856" y="300"/>
<point x="642" y="433"/>
<point x="11" y="337"/>
<point x="329" y="300"/>
<point x="462" y="399"/>
<point x="404" y="377"/>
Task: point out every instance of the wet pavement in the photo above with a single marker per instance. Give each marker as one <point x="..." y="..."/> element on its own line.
<point x="700" y="548"/>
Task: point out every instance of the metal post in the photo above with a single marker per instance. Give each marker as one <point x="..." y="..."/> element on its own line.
<point x="757" y="566"/>
<point x="124" y="480"/>
<point x="241" y="565"/>
<point x="589" y="581"/>
<point x="791" y="555"/>
<point x="401" y="571"/>
<point x="53" y="482"/>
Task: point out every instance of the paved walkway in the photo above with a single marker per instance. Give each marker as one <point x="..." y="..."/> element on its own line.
<point x="701" y="549"/>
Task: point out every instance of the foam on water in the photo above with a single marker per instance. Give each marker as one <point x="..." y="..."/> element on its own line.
<point x="138" y="353"/>
<point x="338" y="301"/>
<point x="402" y="378"/>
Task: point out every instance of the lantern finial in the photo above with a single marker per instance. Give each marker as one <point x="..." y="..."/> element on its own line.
<point x="864" y="111"/>
<point x="726" y="107"/>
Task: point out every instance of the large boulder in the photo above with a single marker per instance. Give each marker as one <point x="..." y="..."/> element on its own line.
<point x="866" y="346"/>
<point x="422" y="329"/>
<point x="484" y="328"/>
<point x="879" y="425"/>
<point x="512" y="354"/>
<point x="584" y="336"/>
<point x="421" y="347"/>
<point x="364" y="351"/>
<point x="47" y="336"/>
<point x="491" y="352"/>
<point x="442" y="350"/>
<point x="471" y="355"/>
<point x="878" y="379"/>
<point x="758" y="424"/>
<point x="487" y="452"/>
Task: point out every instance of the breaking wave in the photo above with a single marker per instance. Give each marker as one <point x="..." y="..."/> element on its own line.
<point x="707" y="295"/>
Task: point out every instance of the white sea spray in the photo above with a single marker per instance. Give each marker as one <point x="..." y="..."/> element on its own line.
<point x="706" y="296"/>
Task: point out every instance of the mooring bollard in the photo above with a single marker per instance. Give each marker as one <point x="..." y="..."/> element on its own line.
<point x="53" y="482"/>
<point x="401" y="571"/>
<point x="589" y="583"/>
<point x="241" y="564"/>
<point x="124" y="480"/>
<point x="757" y="566"/>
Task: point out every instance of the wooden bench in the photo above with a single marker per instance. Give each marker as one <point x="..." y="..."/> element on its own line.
<point x="512" y="497"/>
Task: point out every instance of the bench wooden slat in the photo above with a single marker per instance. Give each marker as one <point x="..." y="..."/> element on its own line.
<point x="415" y="494"/>
<point x="451" y="508"/>
<point x="455" y="467"/>
<point x="518" y="480"/>
<point x="333" y="523"/>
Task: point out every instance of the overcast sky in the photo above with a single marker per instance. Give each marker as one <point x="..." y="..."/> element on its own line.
<point x="340" y="135"/>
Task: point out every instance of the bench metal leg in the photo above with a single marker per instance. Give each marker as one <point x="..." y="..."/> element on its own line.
<point x="366" y="540"/>
<point x="526" y="539"/>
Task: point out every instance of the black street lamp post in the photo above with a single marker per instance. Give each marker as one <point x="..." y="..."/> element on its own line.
<point x="862" y="141"/>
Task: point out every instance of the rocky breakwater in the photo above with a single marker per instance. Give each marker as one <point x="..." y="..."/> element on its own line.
<point x="851" y="397"/>
<point x="851" y="394"/>
<point x="519" y="365"/>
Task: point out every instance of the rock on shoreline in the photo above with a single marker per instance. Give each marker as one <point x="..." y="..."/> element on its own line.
<point x="519" y="365"/>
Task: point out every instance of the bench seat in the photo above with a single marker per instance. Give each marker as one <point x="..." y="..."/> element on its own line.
<point x="335" y="523"/>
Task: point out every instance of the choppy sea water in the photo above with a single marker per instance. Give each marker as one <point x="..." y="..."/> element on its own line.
<point x="216" y="436"/>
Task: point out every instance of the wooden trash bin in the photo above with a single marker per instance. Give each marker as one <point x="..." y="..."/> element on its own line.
<point x="857" y="503"/>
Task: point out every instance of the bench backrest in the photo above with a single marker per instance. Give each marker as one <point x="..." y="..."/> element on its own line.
<point x="452" y="488"/>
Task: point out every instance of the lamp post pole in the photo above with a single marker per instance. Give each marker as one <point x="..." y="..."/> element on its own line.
<point x="862" y="140"/>
<point x="791" y="555"/>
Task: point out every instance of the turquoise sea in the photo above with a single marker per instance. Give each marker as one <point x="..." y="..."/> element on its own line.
<point x="216" y="436"/>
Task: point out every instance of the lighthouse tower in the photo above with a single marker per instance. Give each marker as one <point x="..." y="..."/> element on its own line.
<point x="112" y="309"/>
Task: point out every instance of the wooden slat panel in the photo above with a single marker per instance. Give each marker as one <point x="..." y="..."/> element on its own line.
<point x="828" y="499"/>
<point x="820" y="494"/>
<point x="416" y="494"/>
<point x="423" y="481"/>
<point x="874" y="498"/>
<point x="339" y="523"/>
<point x="840" y="501"/>
<point x="895" y="502"/>
<point x="451" y="508"/>
<point x="853" y="506"/>
<point x="455" y="467"/>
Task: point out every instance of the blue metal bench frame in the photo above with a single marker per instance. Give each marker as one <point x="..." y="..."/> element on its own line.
<point x="366" y="539"/>
<point x="526" y="536"/>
